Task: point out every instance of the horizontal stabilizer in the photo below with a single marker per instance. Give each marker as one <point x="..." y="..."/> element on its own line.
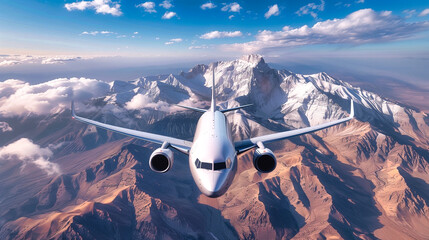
<point x="235" y="108"/>
<point x="192" y="108"/>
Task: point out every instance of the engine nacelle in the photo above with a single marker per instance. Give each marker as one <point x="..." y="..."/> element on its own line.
<point x="264" y="160"/>
<point x="161" y="160"/>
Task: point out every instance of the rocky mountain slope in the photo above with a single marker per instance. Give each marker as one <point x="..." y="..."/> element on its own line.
<point x="366" y="179"/>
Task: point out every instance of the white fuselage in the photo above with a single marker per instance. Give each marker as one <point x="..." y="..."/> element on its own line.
<point x="212" y="158"/>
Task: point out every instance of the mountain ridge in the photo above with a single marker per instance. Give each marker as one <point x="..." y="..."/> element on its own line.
<point x="364" y="179"/>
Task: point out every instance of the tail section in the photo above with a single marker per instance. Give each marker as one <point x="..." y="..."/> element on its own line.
<point x="72" y="109"/>
<point x="213" y="104"/>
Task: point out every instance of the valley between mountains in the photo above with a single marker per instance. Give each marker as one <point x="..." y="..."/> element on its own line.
<point x="365" y="179"/>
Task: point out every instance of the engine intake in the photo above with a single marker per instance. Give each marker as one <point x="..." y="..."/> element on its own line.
<point x="264" y="160"/>
<point x="161" y="160"/>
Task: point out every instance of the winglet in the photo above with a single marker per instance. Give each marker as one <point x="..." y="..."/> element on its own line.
<point x="352" y="109"/>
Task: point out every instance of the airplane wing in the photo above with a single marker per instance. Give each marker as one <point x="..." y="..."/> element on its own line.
<point x="179" y="144"/>
<point x="235" y="108"/>
<point x="192" y="108"/>
<point x="244" y="145"/>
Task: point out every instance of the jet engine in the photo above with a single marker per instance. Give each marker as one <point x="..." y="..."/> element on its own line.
<point x="161" y="160"/>
<point x="264" y="160"/>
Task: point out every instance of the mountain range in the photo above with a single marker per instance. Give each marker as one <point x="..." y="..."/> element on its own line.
<point x="366" y="179"/>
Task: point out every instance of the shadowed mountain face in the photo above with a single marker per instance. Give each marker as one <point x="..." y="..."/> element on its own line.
<point x="366" y="179"/>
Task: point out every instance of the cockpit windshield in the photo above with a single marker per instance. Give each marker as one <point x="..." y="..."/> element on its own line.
<point x="216" y="166"/>
<point x="219" y="166"/>
<point x="204" y="165"/>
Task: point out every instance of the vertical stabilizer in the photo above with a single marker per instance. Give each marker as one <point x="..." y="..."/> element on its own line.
<point x="213" y="105"/>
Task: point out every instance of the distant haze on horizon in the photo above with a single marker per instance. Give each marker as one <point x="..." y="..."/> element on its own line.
<point x="406" y="69"/>
<point x="120" y="40"/>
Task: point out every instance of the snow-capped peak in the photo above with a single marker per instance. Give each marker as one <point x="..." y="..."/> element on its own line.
<point x="253" y="59"/>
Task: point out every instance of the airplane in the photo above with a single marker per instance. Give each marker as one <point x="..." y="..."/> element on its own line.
<point x="213" y="153"/>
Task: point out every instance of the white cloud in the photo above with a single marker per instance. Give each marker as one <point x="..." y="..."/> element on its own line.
<point x="360" y="1"/>
<point x="26" y="151"/>
<point x="57" y="146"/>
<point x="89" y="33"/>
<point x="141" y="102"/>
<point x="169" y="15"/>
<point x="272" y="11"/>
<point x="10" y="86"/>
<point x="100" y="6"/>
<point x="231" y="17"/>
<point x="9" y="62"/>
<point x="208" y="5"/>
<point x="174" y="40"/>
<point x="95" y="33"/>
<point x="135" y="33"/>
<point x="59" y="60"/>
<point x="409" y="13"/>
<point x="311" y="9"/>
<point x="21" y="98"/>
<point x="166" y="4"/>
<point x="6" y="61"/>
<point x="148" y="7"/>
<point x="232" y="7"/>
<point x="424" y="12"/>
<point x="4" y="127"/>
<point x="198" y="47"/>
<point x="360" y="27"/>
<point x="217" y="34"/>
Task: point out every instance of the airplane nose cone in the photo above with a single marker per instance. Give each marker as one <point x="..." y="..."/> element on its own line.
<point x="214" y="185"/>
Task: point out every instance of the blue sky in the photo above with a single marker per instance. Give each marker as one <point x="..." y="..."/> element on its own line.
<point x="171" y="32"/>
<point x="126" y="28"/>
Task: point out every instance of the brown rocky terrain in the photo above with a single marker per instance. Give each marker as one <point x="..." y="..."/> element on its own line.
<point x="366" y="179"/>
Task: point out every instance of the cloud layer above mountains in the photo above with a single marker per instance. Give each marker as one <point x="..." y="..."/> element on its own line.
<point x="142" y="102"/>
<point x="19" y="97"/>
<point x="27" y="152"/>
